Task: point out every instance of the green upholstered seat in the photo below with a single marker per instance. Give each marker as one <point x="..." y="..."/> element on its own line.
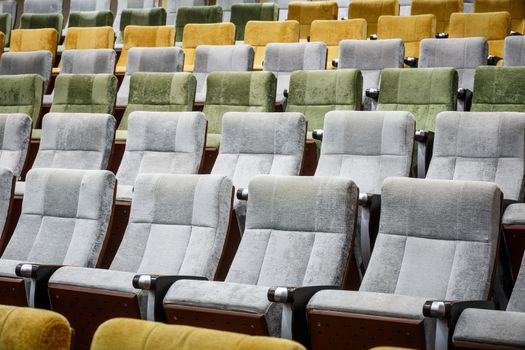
<point x="242" y="13"/>
<point x="5" y="26"/>
<point x="196" y="14"/>
<point x="236" y="92"/>
<point x="91" y="19"/>
<point x="21" y="94"/>
<point x="42" y="20"/>
<point x="499" y="89"/>
<point x="141" y="17"/>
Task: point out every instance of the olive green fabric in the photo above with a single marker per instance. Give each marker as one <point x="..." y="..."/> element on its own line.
<point x="141" y="17"/>
<point x="196" y="14"/>
<point x="91" y="19"/>
<point x="242" y="13"/>
<point x="5" y="26"/>
<point x="499" y="89"/>
<point x="42" y="20"/>
<point x="317" y="92"/>
<point x="236" y="92"/>
<point x="424" y="92"/>
<point x="21" y="94"/>
<point x="84" y="93"/>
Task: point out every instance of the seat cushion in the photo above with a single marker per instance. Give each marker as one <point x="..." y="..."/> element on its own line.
<point x="7" y="267"/>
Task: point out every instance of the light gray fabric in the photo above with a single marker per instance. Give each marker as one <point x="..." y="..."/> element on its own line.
<point x="161" y="142"/>
<point x="517" y="299"/>
<point x="514" y="51"/>
<point x="481" y="146"/>
<point x="405" y="7"/>
<point x="15" y="132"/>
<point x="130" y="4"/>
<point x="42" y="6"/>
<point x="298" y="233"/>
<point x="371" y="57"/>
<point x="9" y="6"/>
<point x="64" y="219"/>
<point x="149" y="59"/>
<point x="367" y="147"/>
<point x="227" y="7"/>
<point x="7" y="267"/>
<point x="283" y="58"/>
<point x="223" y="58"/>
<point x="174" y="5"/>
<point x="35" y="62"/>
<point x="89" y="5"/>
<point x="6" y="186"/>
<point x="259" y="144"/>
<point x="514" y="214"/>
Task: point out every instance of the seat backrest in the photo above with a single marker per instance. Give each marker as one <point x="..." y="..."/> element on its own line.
<point x="260" y="33"/>
<point x="65" y="217"/>
<point x="499" y="89"/>
<point x="367" y="147"/>
<point x="101" y="18"/>
<point x="36" y="62"/>
<point x="141" y="17"/>
<point x="284" y="58"/>
<point x="191" y="212"/>
<point x="516" y="302"/>
<point x="89" y="5"/>
<point x="430" y="250"/>
<point x="97" y="61"/>
<point x="23" y="40"/>
<point x="224" y="58"/>
<point x="124" y="4"/>
<point x="442" y="9"/>
<point x="21" y="94"/>
<point x="371" y="10"/>
<point x="514" y="51"/>
<point x="42" y="6"/>
<point x="84" y="93"/>
<point x="296" y="227"/>
<point x="493" y="26"/>
<point x="305" y="12"/>
<point x="515" y="8"/>
<point x="424" y="92"/>
<point x="242" y="13"/>
<point x="9" y="6"/>
<point x="6" y="191"/>
<point x="42" y="21"/>
<point x="314" y="93"/>
<point x="196" y="14"/>
<point x="15" y="132"/>
<point x="480" y="146"/>
<point x="402" y="27"/>
<point x="89" y="38"/>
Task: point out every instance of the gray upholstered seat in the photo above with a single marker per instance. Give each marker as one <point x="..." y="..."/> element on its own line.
<point x="130" y="4"/>
<point x="371" y="57"/>
<point x="437" y="240"/>
<point x="514" y="51"/>
<point x="259" y="144"/>
<point x="6" y="187"/>
<point x="284" y="58"/>
<point x="224" y="58"/>
<point x="35" y="62"/>
<point x="89" y="5"/>
<point x="177" y="226"/>
<point x="9" y="6"/>
<point x="161" y="142"/>
<point x="298" y="233"/>
<point x="15" y="132"/>
<point x="150" y="59"/>
<point x="405" y="7"/>
<point x="42" y="6"/>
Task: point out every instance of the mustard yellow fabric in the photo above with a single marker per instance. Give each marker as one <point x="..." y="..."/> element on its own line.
<point x="34" y="40"/>
<point x="80" y="38"/>
<point x="516" y="9"/>
<point x="259" y="33"/>
<point x="131" y="334"/>
<point x="305" y="12"/>
<point x="196" y="34"/>
<point x="442" y="9"/>
<point x="494" y="26"/>
<point x="2" y="41"/>
<point x="332" y="32"/>
<point x="30" y="329"/>
<point x="411" y="29"/>
<point x="371" y="10"/>
<point x="144" y="36"/>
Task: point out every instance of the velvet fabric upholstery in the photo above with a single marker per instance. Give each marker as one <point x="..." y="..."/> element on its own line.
<point x="177" y="226"/>
<point x="27" y="329"/>
<point x="514" y="215"/>
<point x="196" y="14"/>
<point x="223" y="58"/>
<point x="424" y="92"/>
<point x="9" y="7"/>
<point x="141" y="335"/>
<point x="314" y="93"/>
<point x="89" y="38"/>
<point x="6" y="183"/>
<point x="243" y="13"/>
<point x="97" y="61"/>
<point x="515" y="8"/>
<point x="305" y="12"/>
<point x="102" y="18"/>
<point x="299" y="232"/>
<point x="162" y="143"/>
<point x="21" y="94"/>
<point x="514" y="54"/>
<point x="494" y="26"/>
<point x="481" y="147"/>
<point x="440" y="251"/>
<point x="23" y="40"/>
<point x="227" y="5"/>
<point x="141" y="17"/>
<point x="284" y="58"/>
<point x="371" y="10"/>
<point x="5" y="27"/>
<point x="259" y="144"/>
<point x="499" y="89"/>
<point x="42" y="20"/>
<point x="332" y="32"/>
<point x="149" y="59"/>
<point x="172" y="6"/>
<point x="124" y="4"/>
<point x="260" y="33"/>
<point x="410" y="29"/>
<point x="89" y="5"/>
<point x="36" y="62"/>
<point x="236" y="92"/>
<point x="371" y="57"/>
<point x="42" y="6"/>
<point x="442" y="9"/>
<point x="15" y="132"/>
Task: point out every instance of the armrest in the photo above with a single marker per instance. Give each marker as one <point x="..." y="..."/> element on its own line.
<point x="335" y="62"/>
<point x="242" y="194"/>
<point x="493" y="60"/>
<point x="373" y="37"/>
<point x="308" y="38"/>
<point x="465" y="95"/>
<point x="157" y="287"/>
<point x="424" y="141"/>
<point x="372" y="93"/>
<point x="317" y="134"/>
<point x="513" y="33"/>
<point x="412" y="62"/>
<point x="422" y="136"/>
<point x="39" y="276"/>
<point x="442" y="35"/>
<point x="285" y="93"/>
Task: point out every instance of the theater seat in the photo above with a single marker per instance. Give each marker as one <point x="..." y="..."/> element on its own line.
<point x="132" y="4"/>
<point x="507" y="97"/>
<point x="514" y="51"/>
<point x="86" y="19"/>
<point x="89" y="38"/>
<point x="515" y="8"/>
<point x="23" y="40"/>
<point x="41" y="21"/>
<point x="172" y="6"/>
<point x="371" y="10"/>
<point x="15" y="133"/>
<point x="305" y="12"/>
<point x="36" y="62"/>
<point x="150" y="17"/>
<point x="6" y="194"/>
<point x="42" y="6"/>
<point x="442" y="9"/>
<point x="195" y="15"/>
<point x="9" y="7"/>
<point x="241" y="14"/>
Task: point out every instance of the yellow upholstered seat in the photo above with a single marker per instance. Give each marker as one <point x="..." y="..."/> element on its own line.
<point x="305" y="12"/>
<point x="371" y="10"/>
<point x="34" y="40"/>
<point x="516" y="9"/>
<point x="144" y="36"/>
<point x="130" y="334"/>
<point x="442" y="9"/>
<point x="410" y="29"/>
<point x="260" y="33"/>
<point x="205" y="34"/>
<point x="80" y="38"/>
<point x="494" y="26"/>
<point x="332" y="32"/>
